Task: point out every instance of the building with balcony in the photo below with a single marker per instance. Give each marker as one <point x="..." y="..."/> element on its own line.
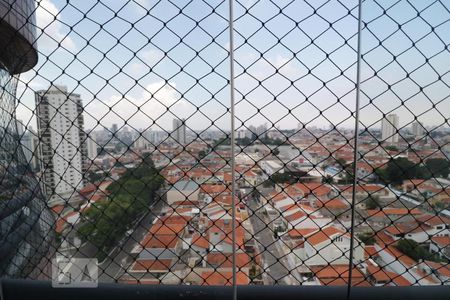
<point x="63" y="147"/>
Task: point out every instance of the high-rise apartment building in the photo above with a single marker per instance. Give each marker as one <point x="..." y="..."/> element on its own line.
<point x="389" y="129"/>
<point x="63" y="149"/>
<point x="417" y="129"/>
<point x="179" y="131"/>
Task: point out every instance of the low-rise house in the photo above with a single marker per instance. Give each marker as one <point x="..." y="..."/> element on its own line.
<point x="337" y="275"/>
<point x="381" y="277"/>
<point x="441" y="246"/>
<point x="391" y="259"/>
<point x="182" y="191"/>
<point x="331" y="245"/>
<point x="440" y="270"/>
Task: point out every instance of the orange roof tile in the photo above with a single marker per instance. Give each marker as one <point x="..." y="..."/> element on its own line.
<point x="200" y="241"/>
<point x="318" y="189"/>
<point x="441" y="268"/>
<point x="223" y="278"/>
<point x="370" y="252"/>
<point x="295" y="216"/>
<point x="57" y="209"/>
<point x="160" y="241"/>
<point x="299" y="233"/>
<point x="152" y="265"/>
<point x="211" y="189"/>
<point x="405" y="259"/>
<point x="338" y="275"/>
<point x="434" y="220"/>
<point x="167" y="228"/>
<point x="442" y="241"/>
<point x="400" y="281"/>
<point x="379" y="274"/>
<point x="332" y="204"/>
<point x="324" y="235"/>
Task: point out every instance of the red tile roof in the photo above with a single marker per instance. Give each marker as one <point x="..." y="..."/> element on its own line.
<point x="299" y="233"/>
<point x="152" y="265"/>
<point x="338" y="275"/>
<point x="200" y="241"/>
<point x="223" y="278"/>
<point x="323" y="235"/>
<point x="442" y="241"/>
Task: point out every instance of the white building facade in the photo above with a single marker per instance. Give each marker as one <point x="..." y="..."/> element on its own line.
<point x="63" y="147"/>
<point x="179" y="131"/>
<point x="389" y="127"/>
<point x="417" y="129"/>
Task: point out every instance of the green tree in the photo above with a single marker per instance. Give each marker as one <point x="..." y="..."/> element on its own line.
<point x="341" y="162"/>
<point x="438" y="167"/>
<point x="400" y="169"/>
<point x="105" y="222"/>
<point x="367" y="238"/>
<point x="412" y="249"/>
<point x="328" y="179"/>
<point x="94" y="177"/>
<point x="284" y="177"/>
<point x="268" y="183"/>
<point x="201" y="154"/>
<point x="372" y="202"/>
<point x="391" y="148"/>
<point x="226" y="141"/>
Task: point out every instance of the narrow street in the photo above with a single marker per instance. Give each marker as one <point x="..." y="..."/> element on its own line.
<point x="276" y="269"/>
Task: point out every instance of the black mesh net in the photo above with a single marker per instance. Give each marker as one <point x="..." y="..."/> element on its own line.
<point x="117" y="141"/>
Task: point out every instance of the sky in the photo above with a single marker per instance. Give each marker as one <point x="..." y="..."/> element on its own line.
<point x="145" y="62"/>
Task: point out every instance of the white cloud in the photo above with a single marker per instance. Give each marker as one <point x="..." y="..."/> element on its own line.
<point x="152" y="56"/>
<point x="51" y="31"/>
<point x="152" y="104"/>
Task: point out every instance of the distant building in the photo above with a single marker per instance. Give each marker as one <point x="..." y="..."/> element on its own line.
<point x="261" y="130"/>
<point x="30" y="146"/>
<point x="183" y="190"/>
<point x="417" y="129"/>
<point x="114" y="128"/>
<point x="144" y="140"/>
<point x="244" y="133"/>
<point x="389" y="129"/>
<point x="179" y="131"/>
<point x="157" y="136"/>
<point x="91" y="147"/>
<point x="62" y="149"/>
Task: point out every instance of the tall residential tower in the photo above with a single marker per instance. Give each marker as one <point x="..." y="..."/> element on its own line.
<point x="389" y="129"/>
<point x="179" y="131"/>
<point x="63" y="147"/>
<point x="417" y="129"/>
